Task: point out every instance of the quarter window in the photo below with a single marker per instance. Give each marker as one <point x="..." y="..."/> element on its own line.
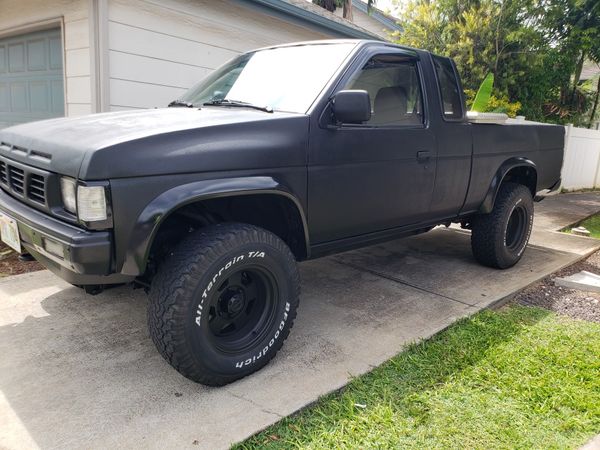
<point x="449" y="89"/>
<point x="392" y="82"/>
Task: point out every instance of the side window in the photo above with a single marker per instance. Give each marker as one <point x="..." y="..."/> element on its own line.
<point x="449" y="89"/>
<point x="392" y="82"/>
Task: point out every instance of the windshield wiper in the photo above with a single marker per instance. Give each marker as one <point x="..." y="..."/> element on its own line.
<point x="180" y="103"/>
<point x="238" y="104"/>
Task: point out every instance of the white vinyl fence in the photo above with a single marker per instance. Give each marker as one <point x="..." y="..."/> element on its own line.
<point x="581" y="167"/>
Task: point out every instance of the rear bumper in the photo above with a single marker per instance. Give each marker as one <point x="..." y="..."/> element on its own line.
<point x="79" y="257"/>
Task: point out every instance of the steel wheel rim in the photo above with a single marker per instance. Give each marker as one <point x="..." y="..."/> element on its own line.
<point x="242" y="309"/>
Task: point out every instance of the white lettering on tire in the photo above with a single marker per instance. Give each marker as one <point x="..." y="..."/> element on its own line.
<point x="243" y="363"/>
<point x="528" y="231"/>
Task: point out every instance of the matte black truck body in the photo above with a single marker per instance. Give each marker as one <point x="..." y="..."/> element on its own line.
<point x="335" y="186"/>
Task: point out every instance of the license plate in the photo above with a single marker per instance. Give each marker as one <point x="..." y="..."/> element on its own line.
<point x="9" y="232"/>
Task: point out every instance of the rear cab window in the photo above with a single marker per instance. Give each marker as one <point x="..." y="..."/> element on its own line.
<point x="449" y="87"/>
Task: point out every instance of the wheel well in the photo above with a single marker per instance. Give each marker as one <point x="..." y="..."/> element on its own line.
<point x="273" y="212"/>
<point x="527" y="176"/>
<point x="524" y="175"/>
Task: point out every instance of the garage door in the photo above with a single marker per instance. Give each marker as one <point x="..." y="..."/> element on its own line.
<point x="31" y="77"/>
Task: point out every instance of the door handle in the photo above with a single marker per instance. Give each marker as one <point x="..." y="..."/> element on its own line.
<point x="423" y="156"/>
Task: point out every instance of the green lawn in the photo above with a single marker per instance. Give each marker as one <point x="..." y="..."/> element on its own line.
<point x="516" y="378"/>
<point x="592" y="224"/>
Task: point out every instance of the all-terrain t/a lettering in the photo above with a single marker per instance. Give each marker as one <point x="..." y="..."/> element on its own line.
<point x="252" y="254"/>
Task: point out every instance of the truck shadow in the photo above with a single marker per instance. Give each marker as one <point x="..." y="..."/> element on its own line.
<point x="80" y="371"/>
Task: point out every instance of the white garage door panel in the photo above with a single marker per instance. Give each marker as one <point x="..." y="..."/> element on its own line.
<point x="31" y="77"/>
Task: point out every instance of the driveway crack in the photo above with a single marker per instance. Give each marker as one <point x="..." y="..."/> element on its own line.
<point x="258" y="405"/>
<point x="399" y="281"/>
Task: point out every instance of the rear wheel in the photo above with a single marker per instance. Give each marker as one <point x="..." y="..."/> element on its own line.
<point x="498" y="239"/>
<point x="223" y="303"/>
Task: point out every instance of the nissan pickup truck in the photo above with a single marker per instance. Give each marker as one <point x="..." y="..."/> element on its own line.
<point x="281" y="155"/>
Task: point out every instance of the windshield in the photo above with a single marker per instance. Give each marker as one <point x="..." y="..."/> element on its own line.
<point x="284" y="78"/>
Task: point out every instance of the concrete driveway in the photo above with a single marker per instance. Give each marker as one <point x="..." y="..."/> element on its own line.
<point x="80" y="371"/>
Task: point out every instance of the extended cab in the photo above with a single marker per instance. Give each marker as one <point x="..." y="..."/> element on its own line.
<point x="282" y="154"/>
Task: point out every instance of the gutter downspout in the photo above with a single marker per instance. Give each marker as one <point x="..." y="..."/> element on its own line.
<point x="98" y="20"/>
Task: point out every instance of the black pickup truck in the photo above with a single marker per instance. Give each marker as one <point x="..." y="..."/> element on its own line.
<point x="281" y="155"/>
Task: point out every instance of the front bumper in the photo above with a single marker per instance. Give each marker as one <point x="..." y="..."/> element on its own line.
<point x="84" y="258"/>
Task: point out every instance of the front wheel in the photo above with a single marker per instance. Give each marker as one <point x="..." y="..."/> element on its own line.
<point x="498" y="239"/>
<point x="223" y="303"/>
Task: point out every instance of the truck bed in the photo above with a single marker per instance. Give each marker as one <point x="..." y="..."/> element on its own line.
<point x="493" y="144"/>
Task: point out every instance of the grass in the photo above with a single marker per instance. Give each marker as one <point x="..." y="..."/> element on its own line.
<point x="516" y="378"/>
<point x="591" y="223"/>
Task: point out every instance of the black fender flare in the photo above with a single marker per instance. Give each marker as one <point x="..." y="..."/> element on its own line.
<point x="157" y="211"/>
<point x="490" y="198"/>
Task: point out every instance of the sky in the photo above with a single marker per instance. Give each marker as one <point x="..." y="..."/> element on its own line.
<point x="385" y="5"/>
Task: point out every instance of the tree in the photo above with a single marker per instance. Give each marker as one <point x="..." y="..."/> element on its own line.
<point x="479" y="35"/>
<point x="576" y="24"/>
<point x="595" y="107"/>
<point x="534" y="48"/>
<point x="578" y="27"/>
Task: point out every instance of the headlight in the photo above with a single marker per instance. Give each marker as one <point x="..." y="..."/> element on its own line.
<point x="87" y="201"/>
<point x="91" y="203"/>
<point x="68" y="187"/>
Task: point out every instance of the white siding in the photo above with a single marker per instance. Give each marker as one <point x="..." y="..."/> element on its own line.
<point x="78" y="35"/>
<point x="159" y="49"/>
<point x="155" y="44"/>
<point x="367" y="22"/>
<point x="78" y="62"/>
<point x="141" y="95"/>
<point x="146" y="69"/>
<point x="78" y="89"/>
<point x="76" y="109"/>
<point x="17" y="15"/>
<point x="78" y="65"/>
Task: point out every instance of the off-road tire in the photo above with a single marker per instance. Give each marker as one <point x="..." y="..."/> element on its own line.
<point x="498" y="239"/>
<point x="182" y="312"/>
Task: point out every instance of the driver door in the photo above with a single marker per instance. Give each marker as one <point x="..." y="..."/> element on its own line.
<point x="378" y="175"/>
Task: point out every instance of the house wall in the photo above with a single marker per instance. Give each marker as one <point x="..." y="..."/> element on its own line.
<point x="158" y="49"/>
<point x="366" y="21"/>
<point x="18" y="16"/>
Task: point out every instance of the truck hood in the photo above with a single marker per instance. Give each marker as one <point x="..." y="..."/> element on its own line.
<point x="155" y="141"/>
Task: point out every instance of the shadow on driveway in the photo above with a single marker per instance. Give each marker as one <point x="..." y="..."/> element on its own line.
<point x="81" y="371"/>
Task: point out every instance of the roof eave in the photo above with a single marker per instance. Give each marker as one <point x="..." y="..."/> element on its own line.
<point x="378" y="15"/>
<point x="317" y="20"/>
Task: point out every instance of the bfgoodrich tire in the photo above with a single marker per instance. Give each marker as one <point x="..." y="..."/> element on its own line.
<point x="223" y="302"/>
<point x="498" y="239"/>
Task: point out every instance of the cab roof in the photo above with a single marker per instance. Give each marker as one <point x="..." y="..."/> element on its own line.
<point x="357" y="42"/>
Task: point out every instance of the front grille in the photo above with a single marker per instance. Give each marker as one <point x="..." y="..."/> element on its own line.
<point x="37" y="188"/>
<point x="25" y="182"/>
<point x="17" y="179"/>
<point x="24" y="175"/>
<point x="3" y="174"/>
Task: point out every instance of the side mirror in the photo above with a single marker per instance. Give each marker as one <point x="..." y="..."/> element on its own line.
<point x="352" y="106"/>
